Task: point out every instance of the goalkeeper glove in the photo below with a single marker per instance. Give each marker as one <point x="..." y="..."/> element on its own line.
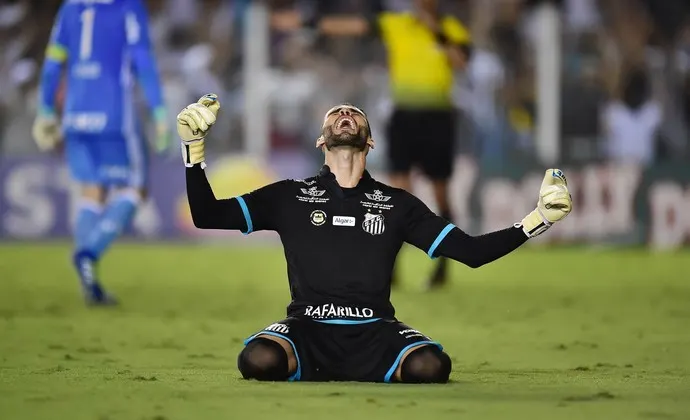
<point x="46" y="130"/>
<point x="193" y="124"/>
<point x="554" y="204"/>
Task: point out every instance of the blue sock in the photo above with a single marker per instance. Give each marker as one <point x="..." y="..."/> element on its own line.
<point x="117" y="216"/>
<point x="87" y="217"/>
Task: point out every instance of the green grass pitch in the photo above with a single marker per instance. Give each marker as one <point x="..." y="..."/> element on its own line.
<point x="541" y="334"/>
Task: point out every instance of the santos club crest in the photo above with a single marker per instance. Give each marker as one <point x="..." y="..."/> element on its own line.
<point x="373" y="224"/>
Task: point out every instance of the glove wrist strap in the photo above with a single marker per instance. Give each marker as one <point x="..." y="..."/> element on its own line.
<point x="192" y="157"/>
<point x="534" y="224"/>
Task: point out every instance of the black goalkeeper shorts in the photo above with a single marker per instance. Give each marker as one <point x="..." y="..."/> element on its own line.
<point x="424" y="139"/>
<point x="363" y="352"/>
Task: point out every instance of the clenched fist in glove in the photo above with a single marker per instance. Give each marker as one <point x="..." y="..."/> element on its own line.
<point x="554" y="204"/>
<point x="193" y="124"/>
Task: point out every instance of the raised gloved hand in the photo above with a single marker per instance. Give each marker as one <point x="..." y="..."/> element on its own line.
<point x="554" y="204"/>
<point x="46" y="130"/>
<point x="193" y="124"/>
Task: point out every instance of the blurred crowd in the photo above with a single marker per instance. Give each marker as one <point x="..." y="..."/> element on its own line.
<point x="625" y="76"/>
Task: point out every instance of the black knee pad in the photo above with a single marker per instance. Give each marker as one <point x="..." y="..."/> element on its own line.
<point x="427" y="365"/>
<point x="264" y="360"/>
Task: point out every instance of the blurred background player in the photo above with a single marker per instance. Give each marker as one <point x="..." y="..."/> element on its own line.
<point x="104" y="47"/>
<point x="425" y="48"/>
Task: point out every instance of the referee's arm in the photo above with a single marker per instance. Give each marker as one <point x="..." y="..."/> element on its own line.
<point x="247" y="213"/>
<point x="458" y="54"/>
<point x="455" y="40"/>
<point x="440" y="238"/>
<point x="328" y="21"/>
<point x="451" y="36"/>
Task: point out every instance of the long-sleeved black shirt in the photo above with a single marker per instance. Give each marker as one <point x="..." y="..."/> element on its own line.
<point x="341" y="243"/>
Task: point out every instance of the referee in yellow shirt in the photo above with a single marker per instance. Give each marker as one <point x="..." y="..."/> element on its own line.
<point x="424" y="50"/>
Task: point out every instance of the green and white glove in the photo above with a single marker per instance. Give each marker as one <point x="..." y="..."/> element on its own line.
<point x="193" y="124"/>
<point x="46" y="130"/>
<point x="554" y="204"/>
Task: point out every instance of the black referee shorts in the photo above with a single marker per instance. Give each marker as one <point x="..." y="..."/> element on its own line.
<point x="362" y="352"/>
<point x="422" y="138"/>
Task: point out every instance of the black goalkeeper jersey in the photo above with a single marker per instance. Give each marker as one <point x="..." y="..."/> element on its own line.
<point x="341" y="243"/>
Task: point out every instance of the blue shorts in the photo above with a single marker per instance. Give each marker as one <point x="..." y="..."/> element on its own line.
<point x="107" y="159"/>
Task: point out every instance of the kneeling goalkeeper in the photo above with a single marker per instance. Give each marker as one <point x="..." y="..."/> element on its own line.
<point x="342" y="230"/>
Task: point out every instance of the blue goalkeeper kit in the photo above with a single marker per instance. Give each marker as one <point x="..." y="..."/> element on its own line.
<point x="104" y="48"/>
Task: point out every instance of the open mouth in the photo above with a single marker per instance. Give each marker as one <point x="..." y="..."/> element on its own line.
<point x="345" y="123"/>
